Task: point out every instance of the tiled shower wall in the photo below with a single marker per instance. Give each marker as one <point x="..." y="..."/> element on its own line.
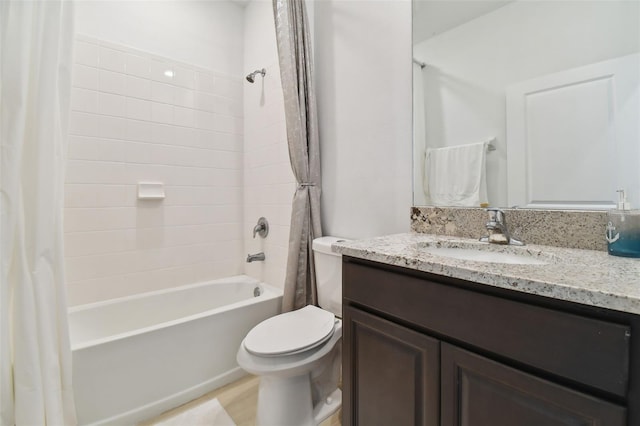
<point x="269" y="183"/>
<point x="140" y="117"/>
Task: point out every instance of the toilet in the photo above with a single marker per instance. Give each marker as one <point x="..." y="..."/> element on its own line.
<point x="297" y="354"/>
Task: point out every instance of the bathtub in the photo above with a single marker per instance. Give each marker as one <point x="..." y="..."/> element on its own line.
<point x="138" y="356"/>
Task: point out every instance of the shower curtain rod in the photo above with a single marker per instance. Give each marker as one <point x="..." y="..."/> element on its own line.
<point x="422" y="64"/>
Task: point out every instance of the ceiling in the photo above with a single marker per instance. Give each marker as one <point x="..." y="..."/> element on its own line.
<point x="431" y="17"/>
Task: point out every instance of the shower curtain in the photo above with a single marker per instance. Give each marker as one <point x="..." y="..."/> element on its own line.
<point x="35" y="357"/>
<point x="294" y="52"/>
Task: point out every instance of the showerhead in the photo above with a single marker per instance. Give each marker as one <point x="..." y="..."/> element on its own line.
<point x="252" y="77"/>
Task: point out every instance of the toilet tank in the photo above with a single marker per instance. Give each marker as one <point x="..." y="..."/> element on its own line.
<point x="328" y="274"/>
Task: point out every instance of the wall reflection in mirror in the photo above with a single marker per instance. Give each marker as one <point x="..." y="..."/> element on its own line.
<point x="526" y="103"/>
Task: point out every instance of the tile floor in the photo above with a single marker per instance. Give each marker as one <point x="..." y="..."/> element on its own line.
<point x="239" y="399"/>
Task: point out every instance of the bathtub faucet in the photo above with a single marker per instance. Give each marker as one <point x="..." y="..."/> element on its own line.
<point x="254" y="257"/>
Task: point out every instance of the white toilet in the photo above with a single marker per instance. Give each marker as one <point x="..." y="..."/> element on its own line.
<point x="297" y="354"/>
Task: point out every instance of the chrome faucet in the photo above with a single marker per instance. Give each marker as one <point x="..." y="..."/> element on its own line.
<point x="262" y="228"/>
<point x="254" y="257"/>
<point x="497" y="229"/>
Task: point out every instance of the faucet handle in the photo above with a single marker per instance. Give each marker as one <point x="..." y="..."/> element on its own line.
<point x="495" y="214"/>
<point x="262" y="228"/>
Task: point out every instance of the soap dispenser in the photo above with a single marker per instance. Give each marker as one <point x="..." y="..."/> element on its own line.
<point x="623" y="229"/>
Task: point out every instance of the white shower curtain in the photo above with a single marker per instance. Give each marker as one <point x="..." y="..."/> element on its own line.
<point x="35" y="358"/>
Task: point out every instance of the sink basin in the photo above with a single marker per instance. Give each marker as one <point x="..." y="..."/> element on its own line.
<point x="487" y="253"/>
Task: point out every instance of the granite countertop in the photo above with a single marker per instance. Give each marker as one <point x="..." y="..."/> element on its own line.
<point x="583" y="276"/>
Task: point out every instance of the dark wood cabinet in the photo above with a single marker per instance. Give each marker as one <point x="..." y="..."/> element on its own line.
<point x="479" y="392"/>
<point x="421" y="349"/>
<point x="395" y="373"/>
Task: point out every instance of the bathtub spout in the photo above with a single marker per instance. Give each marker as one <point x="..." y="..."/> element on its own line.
<point x="254" y="257"/>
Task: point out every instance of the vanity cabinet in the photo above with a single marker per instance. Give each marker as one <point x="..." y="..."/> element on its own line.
<point x="395" y="373"/>
<point x="424" y="349"/>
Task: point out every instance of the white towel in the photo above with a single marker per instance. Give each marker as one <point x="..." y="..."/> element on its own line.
<point x="455" y="176"/>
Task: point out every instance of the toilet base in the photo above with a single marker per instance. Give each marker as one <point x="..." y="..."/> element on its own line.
<point x="287" y="401"/>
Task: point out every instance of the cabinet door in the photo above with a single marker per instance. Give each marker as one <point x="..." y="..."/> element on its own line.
<point x="390" y="373"/>
<point x="479" y="392"/>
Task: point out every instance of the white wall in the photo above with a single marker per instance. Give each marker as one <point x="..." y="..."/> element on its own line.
<point x="363" y="75"/>
<point x="204" y="33"/>
<point x="470" y="66"/>
<point x="269" y="183"/>
<point x="131" y="123"/>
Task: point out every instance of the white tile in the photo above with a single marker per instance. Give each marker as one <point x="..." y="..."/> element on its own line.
<point x="150" y="215"/>
<point x="227" y="106"/>
<point x="185" y="136"/>
<point x="138" y="66"/>
<point x="152" y="237"/>
<point x="162" y="71"/>
<point x="148" y="172"/>
<point x="225" y="159"/>
<point x="96" y="149"/>
<point x="160" y="155"/>
<point x="217" y="140"/>
<point x="204" y="101"/>
<point x="184" y="77"/>
<point x="98" y="242"/>
<point x="142" y="152"/>
<point x="110" y="104"/>
<point x="76" y="148"/>
<point x="161" y="113"/>
<point x="183" y="117"/>
<point x="86" y="53"/>
<point x="112" y="82"/>
<point x="112" y="60"/>
<point x="138" y="130"/>
<point x="184" y="97"/>
<point x="161" y="92"/>
<point x="84" y="171"/>
<point x="98" y="195"/>
<point x="97" y="219"/>
<point x="84" y="124"/>
<point x="85" y="77"/>
<point x="204" y="81"/>
<point x="138" y="109"/>
<point x="226" y="87"/>
<point x="136" y="87"/>
<point x="180" y="175"/>
<point x="84" y="100"/>
<point x="112" y="127"/>
<point x="224" y="177"/>
<point x="162" y="133"/>
<point x="204" y="120"/>
<point x="227" y="124"/>
<point x="100" y="266"/>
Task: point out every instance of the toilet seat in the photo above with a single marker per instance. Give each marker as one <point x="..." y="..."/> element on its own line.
<point x="291" y="333"/>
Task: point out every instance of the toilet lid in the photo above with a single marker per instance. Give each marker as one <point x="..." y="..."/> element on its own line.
<point x="291" y="332"/>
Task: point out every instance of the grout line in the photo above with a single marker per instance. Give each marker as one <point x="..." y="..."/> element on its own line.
<point x="160" y="143"/>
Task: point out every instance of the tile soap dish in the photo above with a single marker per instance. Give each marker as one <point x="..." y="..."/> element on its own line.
<point x="150" y="191"/>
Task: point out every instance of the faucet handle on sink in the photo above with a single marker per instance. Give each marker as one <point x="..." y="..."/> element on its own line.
<point x="498" y="233"/>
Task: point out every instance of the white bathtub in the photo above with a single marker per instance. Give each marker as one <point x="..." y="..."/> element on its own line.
<point x="138" y="356"/>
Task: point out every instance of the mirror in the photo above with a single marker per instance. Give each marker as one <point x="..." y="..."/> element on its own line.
<point x="542" y="95"/>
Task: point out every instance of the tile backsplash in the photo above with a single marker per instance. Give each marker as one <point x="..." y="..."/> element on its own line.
<point x="560" y="228"/>
<point x="141" y="117"/>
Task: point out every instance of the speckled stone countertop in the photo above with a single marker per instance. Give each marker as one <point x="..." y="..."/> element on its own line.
<point x="588" y="277"/>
